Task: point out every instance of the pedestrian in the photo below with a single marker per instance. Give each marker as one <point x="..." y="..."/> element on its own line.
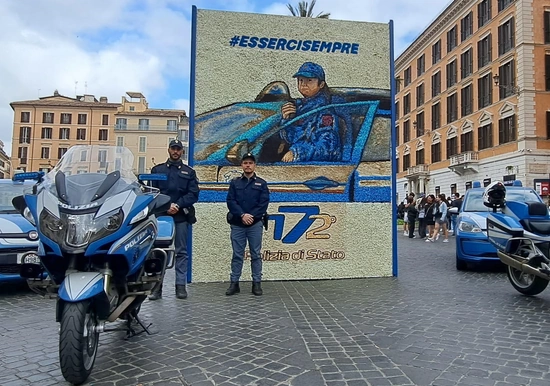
<point x="182" y="186"/>
<point x="405" y="215"/>
<point x="421" y="207"/>
<point x="412" y="214"/>
<point x="440" y="219"/>
<point x="429" y="216"/>
<point x="456" y="203"/>
<point x="247" y="201"/>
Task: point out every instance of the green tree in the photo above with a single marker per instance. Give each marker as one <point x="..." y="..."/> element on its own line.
<point x="304" y="9"/>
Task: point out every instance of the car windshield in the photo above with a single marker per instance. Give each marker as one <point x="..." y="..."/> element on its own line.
<point x="474" y="200"/>
<point x="7" y="193"/>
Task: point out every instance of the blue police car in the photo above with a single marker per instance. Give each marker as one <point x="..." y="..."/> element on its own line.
<point x="472" y="243"/>
<point x="18" y="237"/>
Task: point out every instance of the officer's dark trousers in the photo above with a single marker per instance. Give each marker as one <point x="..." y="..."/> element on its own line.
<point x="182" y="260"/>
<point x="239" y="237"/>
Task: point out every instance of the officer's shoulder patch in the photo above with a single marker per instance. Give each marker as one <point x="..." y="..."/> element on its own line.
<point x="258" y="183"/>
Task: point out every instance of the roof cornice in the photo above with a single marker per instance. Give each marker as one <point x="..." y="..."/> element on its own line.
<point x="433" y="30"/>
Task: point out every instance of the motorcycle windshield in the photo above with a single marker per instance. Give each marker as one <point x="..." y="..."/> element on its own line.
<point x="86" y="174"/>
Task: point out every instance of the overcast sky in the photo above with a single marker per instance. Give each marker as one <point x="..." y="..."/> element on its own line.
<point x="106" y="47"/>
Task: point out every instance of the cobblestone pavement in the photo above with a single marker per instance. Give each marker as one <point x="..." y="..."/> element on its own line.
<point x="432" y="325"/>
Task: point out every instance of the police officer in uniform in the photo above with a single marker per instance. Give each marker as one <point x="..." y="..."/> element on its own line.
<point x="247" y="201"/>
<point x="183" y="188"/>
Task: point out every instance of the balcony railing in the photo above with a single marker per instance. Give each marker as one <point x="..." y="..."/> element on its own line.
<point x="464" y="158"/>
<point x="126" y="127"/>
<point x="418" y="170"/>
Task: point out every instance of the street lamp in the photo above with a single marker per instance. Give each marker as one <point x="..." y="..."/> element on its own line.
<point x="515" y="89"/>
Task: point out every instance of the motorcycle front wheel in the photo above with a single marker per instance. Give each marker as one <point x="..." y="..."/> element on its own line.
<point x="78" y="341"/>
<point x="525" y="283"/>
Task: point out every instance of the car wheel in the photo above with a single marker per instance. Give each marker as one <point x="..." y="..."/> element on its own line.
<point x="461" y="265"/>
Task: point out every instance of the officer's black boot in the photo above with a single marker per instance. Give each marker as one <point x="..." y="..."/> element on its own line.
<point x="257" y="288"/>
<point x="233" y="288"/>
<point x="156" y="293"/>
<point x="181" y="292"/>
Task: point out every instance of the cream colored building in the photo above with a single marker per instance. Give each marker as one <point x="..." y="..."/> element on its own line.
<point x="147" y="132"/>
<point x="45" y="128"/>
<point x="473" y="98"/>
<point x="5" y="164"/>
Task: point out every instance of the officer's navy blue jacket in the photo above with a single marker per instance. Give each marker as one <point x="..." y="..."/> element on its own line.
<point x="182" y="185"/>
<point x="247" y="196"/>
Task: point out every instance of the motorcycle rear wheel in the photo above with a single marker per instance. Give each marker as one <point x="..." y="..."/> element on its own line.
<point x="78" y="341"/>
<point x="525" y="283"/>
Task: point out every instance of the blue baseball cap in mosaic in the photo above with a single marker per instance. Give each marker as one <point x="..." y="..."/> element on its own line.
<point x="176" y="143"/>
<point x="311" y="70"/>
<point x="248" y="156"/>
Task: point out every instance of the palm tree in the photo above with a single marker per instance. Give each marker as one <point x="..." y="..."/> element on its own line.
<point x="306" y="10"/>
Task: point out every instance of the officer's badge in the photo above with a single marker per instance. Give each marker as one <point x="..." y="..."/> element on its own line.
<point x="327" y="120"/>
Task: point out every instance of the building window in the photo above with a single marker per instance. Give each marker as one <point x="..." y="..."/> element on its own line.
<point x="452" y="37"/>
<point x="121" y="124"/>
<point x="82" y="118"/>
<point x="547" y="71"/>
<point x="47" y="133"/>
<point x="483" y="13"/>
<point x="64" y="133"/>
<point x="61" y="151"/>
<point x="452" y="147"/>
<point x="506" y="37"/>
<point x="47" y="117"/>
<point x="396" y="110"/>
<point x="397" y="135"/>
<point x="503" y="4"/>
<point x="466" y="64"/>
<point x="436" y="84"/>
<point x="406" y="104"/>
<point x="141" y="165"/>
<point x="22" y="154"/>
<point x="407" y="76"/>
<point x="506" y="79"/>
<point x="452" y="108"/>
<point x="184" y="135"/>
<point x="105" y="120"/>
<point x="420" y="95"/>
<point x="485" y="91"/>
<point x="420" y="65"/>
<point x="507" y="130"/>
<point x="451" y="74"/>
<point x="436" y="116"/>
<point x="420" y="157"/>
<point x="142" y="144"/>
<point x="103" y="135"/>
<point x="120" y="141"/>
<point x="66" y="118"/>
<point x="547" y="27"/>
<point x="143" y="124"/>
<point x="25" y="116"/>
<point x="420" y="124"/>
<point x="406" y="162"/>
<point x="81" y="134"/>
<point x="467" y="26"/>
<point x="484" y="52"/>
<point x="132" y="108"/>
<point x="397" y="84"/>
<point x="172" y="125"/>
<point x="436" y="152"/>
<point x="406" y="131"/>
<point x="466" y="100"/>
<point x="436" y="52"/>
<point x="548" y="125"/>
<point x="45" y="153"/>
<point x="397" y="164"/>
<point x="24" y="134"/>
<point x="102" y="158"/>
<point x="83" y="156"/>
<point x="467" y="142"/>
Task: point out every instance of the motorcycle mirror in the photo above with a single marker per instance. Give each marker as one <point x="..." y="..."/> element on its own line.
<point x="19" y="203"/>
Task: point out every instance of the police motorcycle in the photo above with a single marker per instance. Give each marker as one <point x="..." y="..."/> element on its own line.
<point x="521" y="234"/>
<point x="101" y="247"/>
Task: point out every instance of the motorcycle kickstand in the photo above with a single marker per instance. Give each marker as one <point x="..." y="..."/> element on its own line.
<point x="131" y="332"/>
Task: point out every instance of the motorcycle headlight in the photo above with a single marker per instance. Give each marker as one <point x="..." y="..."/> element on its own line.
<point x="466" y="226"/>
<point x="28" y="216"/>
<point x="140" y="216"/>
<point x="51" y="226"/>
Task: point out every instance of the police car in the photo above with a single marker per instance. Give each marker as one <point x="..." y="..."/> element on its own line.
<point x="18" y="237"/>
<point x="472" y="243"/>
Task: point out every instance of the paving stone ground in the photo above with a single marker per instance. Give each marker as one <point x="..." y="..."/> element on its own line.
<point x="432" y="325"/>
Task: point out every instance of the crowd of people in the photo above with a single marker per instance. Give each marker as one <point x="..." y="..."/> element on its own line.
<point x="431" y="214"/>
